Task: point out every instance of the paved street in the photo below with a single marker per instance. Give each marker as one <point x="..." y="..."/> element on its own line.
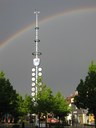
<point x="32" y="126"/>
<point x="79" y="126"/>
<point x="76" y="126"/>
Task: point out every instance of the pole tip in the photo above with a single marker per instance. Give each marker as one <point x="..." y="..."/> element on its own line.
<point x="37" y="12"/>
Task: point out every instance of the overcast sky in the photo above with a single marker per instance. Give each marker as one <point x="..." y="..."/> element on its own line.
<point x="67" y="41"/>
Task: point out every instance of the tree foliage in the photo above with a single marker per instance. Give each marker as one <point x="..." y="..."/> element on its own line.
<point x="8" y="96"/>
<point x="86" y="97"/>
<point x="27" y="104"/>
<point x="61" y="107"/>
<point x="92" y="67"/>
<point x="48" y="103"/>
<point x="44" y="99"/>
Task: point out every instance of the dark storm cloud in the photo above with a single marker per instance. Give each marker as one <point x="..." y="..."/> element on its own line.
<point x="67" y="43"/>
<point x="16" y="14"/>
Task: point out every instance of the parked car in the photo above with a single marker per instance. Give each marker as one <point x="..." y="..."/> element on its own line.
<point x="52" y="120"/>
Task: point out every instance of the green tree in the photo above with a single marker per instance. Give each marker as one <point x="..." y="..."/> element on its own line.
<point x="92" y="67"/>
<point x="20" y="103"/>
<point x="86" y="89"/>
<point x="61" y="107"/>
<point x="8" y="97"/>
<point x="44" y="99"/>
<point x="27" y="104"/>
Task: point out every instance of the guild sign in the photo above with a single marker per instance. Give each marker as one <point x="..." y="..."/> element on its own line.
<point x="36" y="61"/>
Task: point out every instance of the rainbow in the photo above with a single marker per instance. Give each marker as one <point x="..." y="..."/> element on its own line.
<point x="29" y="27"/>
